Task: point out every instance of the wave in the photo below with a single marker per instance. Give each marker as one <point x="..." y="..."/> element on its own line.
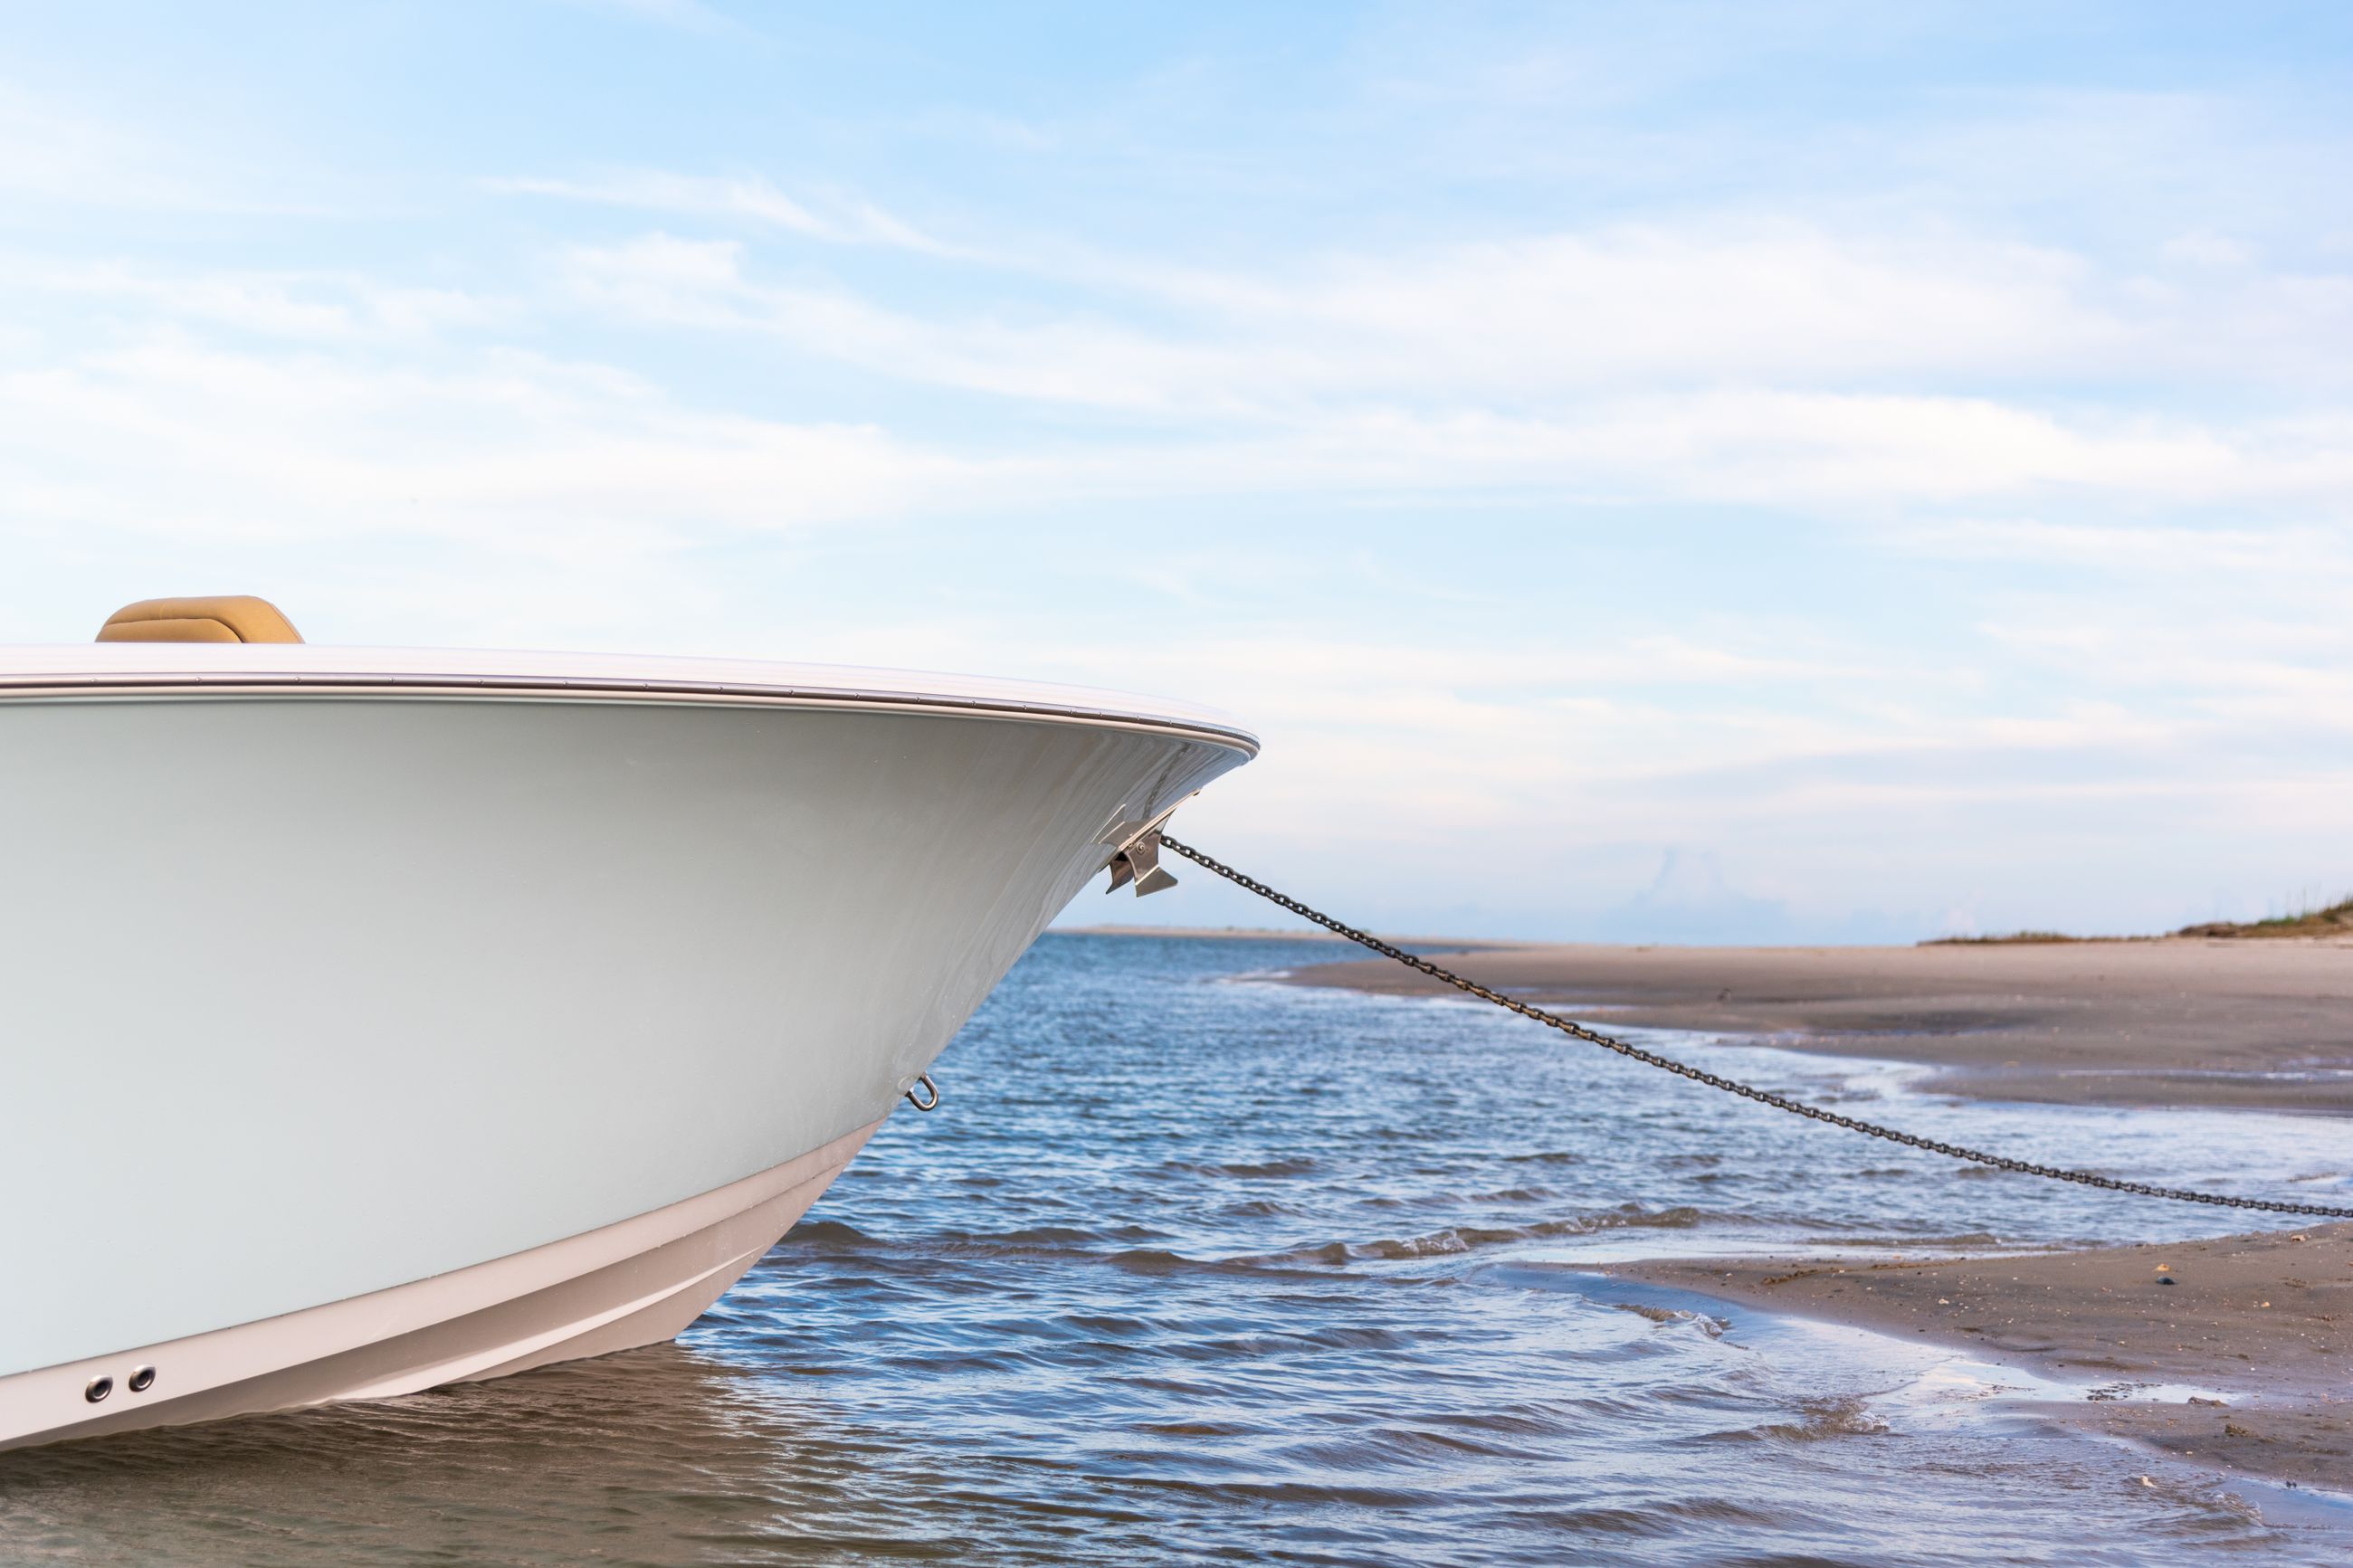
<point x="1293" y="1166"/>
<point x="1818" y="1420"/>
<point x="1713" y="1327"/>
<point x="1464" y="1239"/>
<point x="1138" y="1249"/>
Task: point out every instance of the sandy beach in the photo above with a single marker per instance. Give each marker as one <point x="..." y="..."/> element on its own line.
<point x="2174" y="1021"/>
<point x="2263" y="1321"/>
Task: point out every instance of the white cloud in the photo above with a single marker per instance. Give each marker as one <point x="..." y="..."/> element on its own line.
<point x="1502" y="324"/>
<point x="1498" y="323"/>
<point x="2203" y="247"/>
<point x="1712" y="302"/>
<point x="63" y="152"/>
<point x="1631" y="365"/>
<point x="2221" y="624"/>
<point x="169" y="435"/>
<point x="2290" y="557"/>
<point x="1880" y="452"/>
<point x="318" y="307"/>
<point x="394" y="390"/>
<point x="748" y="197"/>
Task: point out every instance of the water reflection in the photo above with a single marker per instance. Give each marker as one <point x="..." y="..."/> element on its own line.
<point x="658" y="1456"/>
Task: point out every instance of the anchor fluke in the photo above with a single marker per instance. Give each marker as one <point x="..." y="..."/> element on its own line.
<point x="1139" y="862"/>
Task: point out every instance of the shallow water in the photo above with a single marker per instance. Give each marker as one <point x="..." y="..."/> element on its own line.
<point x="1196" y="1268"/>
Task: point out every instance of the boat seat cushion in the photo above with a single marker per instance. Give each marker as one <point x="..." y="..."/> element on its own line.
<point x="233" y="618"/>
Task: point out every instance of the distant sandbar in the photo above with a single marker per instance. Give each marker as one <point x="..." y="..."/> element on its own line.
<point x="2171" y="1021"/>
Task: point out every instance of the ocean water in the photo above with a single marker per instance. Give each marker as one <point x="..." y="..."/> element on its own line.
<point x="1192" y="1266"/>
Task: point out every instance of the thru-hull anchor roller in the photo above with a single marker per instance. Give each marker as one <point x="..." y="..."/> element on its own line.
<point x="1140" y="863"/>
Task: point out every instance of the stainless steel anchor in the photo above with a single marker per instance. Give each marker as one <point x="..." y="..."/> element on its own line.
<point x="1137" y="858"/>
<point x="1139" y="863"/>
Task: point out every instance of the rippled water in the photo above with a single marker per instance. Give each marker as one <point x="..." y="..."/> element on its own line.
<point x="1198" y="1269"/>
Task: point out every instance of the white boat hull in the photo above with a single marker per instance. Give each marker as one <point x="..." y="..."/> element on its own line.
<point x="639" y="1282"/>
<point x="356" y="1042"/>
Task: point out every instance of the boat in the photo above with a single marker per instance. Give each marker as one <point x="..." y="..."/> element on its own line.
<point x="375" y="1019"/>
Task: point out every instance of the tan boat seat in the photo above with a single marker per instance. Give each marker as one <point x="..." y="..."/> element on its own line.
<point x="230" y="617"/>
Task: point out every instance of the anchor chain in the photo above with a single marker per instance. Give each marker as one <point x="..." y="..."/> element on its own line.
<point x="1730" y="1086"/>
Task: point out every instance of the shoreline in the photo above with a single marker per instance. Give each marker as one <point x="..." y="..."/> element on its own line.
<point x="2167" y="1021"/>
<point x="2263" y="1320"/>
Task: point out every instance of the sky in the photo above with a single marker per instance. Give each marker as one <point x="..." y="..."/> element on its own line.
<point x="1808" y="472"/>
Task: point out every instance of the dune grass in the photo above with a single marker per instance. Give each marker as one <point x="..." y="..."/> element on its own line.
<point x="2329" y="919"/>
<point x="2013" y="937"/>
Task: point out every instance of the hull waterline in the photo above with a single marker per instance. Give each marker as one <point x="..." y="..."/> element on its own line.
<point x="636" y="1283"/>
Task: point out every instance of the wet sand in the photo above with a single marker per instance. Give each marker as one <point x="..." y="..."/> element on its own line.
<point x="2264" y="1321"/>
<point x="2172" y="1021"/>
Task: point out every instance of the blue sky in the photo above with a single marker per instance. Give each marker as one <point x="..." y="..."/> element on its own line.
<point x="1713" y="472"/>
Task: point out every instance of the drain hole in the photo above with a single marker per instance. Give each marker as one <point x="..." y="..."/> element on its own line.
<point x="99" y="1387"/>
<point x="142" y="1379"/>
